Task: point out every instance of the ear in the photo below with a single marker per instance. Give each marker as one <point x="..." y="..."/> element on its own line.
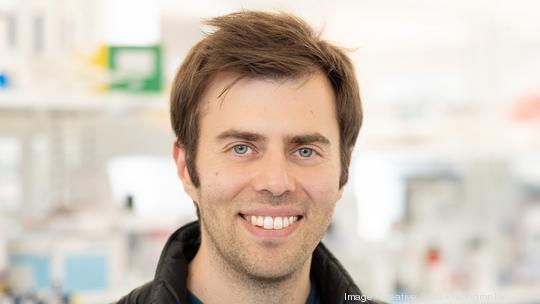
<point x="179" y="155"/>
<point x="349" y="158"/>
<point x="340" y="192"/>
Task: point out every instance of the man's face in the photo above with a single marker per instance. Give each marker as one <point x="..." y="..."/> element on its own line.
<point x="268" y="155"/>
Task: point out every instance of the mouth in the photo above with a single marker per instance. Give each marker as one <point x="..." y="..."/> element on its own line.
<point x="271" y="222"/>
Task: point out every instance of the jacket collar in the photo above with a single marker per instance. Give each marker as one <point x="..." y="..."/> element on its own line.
<point x="331" y="279"/>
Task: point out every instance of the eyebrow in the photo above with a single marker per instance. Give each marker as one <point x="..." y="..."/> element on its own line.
<point x="296" y="139"/>
<point x="243" y="135"/>
<point x="308" y="139"/>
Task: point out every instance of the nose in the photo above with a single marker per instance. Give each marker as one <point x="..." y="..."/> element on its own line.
<point x="274" y="176"/>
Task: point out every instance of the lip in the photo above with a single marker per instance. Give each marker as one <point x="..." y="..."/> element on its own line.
<point x="266" y="234"/>
<point x="273" y="212"/>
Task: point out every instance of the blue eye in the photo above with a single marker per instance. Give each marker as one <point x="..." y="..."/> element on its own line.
<point x="305" y="152"/>
<point x="240" y="149"/>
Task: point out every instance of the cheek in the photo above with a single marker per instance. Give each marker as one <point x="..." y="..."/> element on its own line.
<point x="322" y="186"/>
<point x="223" y="182"/>
<point x="323" y="176"/>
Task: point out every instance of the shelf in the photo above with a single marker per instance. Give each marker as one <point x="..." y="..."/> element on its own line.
<point x="12" y="101"/>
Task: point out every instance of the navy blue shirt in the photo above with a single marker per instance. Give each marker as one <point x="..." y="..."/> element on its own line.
<point x="313" y="298"/>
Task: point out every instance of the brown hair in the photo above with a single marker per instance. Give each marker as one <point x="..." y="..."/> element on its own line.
<point x="262" y="45"/>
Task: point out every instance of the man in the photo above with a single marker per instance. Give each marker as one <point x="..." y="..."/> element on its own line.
<point x="266" y="116"/>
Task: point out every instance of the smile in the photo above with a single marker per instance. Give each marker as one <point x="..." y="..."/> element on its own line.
<point x="271" y="223"/>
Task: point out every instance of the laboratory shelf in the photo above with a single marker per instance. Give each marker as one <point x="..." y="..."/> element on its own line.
<point x="15" y="101"/>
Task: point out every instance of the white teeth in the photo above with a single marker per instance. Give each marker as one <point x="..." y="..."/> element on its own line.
<point x="268" y="222"/>
<point x="278" y="223"/>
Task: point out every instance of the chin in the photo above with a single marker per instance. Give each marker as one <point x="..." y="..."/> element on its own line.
<point x="268" y="269"/>
<point x="270" y="274"/>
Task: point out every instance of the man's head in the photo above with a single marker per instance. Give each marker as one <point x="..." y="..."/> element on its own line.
<point x="264" y="46"/>
<point x="266" y="115"/>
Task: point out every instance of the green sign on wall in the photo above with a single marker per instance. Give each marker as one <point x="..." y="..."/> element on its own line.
<point x="135" y="68"/>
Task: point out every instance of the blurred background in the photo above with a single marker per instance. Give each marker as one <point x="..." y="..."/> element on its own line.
<point x="443" y="204"/>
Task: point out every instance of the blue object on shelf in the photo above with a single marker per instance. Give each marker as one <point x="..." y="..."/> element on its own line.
<point x="40" y="266"/>
<point x="85" y="273"/>
<point x="3" y="80"/>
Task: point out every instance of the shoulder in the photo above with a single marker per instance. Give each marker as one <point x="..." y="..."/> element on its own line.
<point x="333" y="282"/>
<point x="138" y="295"/>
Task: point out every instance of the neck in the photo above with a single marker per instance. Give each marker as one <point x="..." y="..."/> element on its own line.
<point x="212" y="280"/>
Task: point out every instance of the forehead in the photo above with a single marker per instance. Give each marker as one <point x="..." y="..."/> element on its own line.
<point x="284" y="106"/>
